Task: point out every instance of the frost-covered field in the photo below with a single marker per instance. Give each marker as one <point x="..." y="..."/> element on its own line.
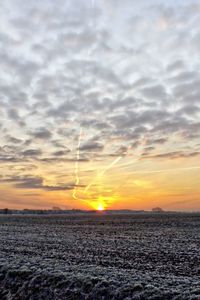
<point x="141" y="256"/>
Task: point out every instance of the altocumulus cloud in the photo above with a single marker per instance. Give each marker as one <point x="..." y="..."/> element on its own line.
<point x="68" y="65"/>
<point x="35" y="183"/>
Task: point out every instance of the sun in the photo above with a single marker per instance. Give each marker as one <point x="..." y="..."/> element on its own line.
<point x="100" y="207"/>
<point x="99" y="204"/>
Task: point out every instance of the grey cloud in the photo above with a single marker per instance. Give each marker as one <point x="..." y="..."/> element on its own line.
<point x="93" y="123"/>
<point x="147" y="150"/>
<point x="192" y="97"/>
<point x="58" y="144"/>
<point x="61" y="152"/>
<point x="14" y="115"/>
<point x="158" y="141"/>
<point x="187" y="89"/>
<point x="126" y="103"/>
<point x="13" y="140"/>
<point x="188" y="110"/>
<point x="32" y="152"/>
<point x="175" y="154"/>
<point x="41" y="133"/>
<point x="92" y="146"/>
<point x="9" y="159"/>
<point x="143" y="81"/>
<point x="171" y="125"/>
<point x="28" y="142"/>
<point x="184" y="76"/>
<point x="132" y="119"/>
<point x="35" y="183"/>
<point x="62" y="111"/>
<point x="154" y="92"/>
<point x="177" y="65"/>
<point x="54" y="159"/>
<point x="121" y="151"/>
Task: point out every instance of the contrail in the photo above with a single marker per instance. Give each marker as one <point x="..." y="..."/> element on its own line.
<point x="102" y="172"/>
<point x="110" y="165"/>
<point x="139" y="150"/>
<point x="76" y="166"/>
<point x="114" y="162"/>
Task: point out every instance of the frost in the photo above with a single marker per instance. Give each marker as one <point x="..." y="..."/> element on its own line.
<point x="105" y="257"/>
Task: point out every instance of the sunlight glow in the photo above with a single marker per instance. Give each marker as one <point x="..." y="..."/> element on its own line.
<point x="100" y="207"/>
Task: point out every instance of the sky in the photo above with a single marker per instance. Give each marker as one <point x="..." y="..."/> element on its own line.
<point x="99" y="104"/>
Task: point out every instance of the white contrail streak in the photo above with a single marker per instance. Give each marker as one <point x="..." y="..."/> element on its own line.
<point x="110" y="165"/>
<point x="102" y="172"/>
<point x="76" y="166"/>
<point x="114" y="162"/>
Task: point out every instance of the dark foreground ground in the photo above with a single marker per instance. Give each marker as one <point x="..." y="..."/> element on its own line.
<point x="100" y="257"/>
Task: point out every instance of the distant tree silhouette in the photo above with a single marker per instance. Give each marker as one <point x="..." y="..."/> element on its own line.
<point x="6" y="211"/>
<point x="157" y="209"/>
<point x="56" y="208"/>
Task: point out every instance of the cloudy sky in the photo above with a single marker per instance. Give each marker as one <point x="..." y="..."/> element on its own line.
<point x="99" y="104"/>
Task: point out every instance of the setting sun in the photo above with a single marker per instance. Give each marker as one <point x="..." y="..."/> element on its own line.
<point x="100" y="207"/>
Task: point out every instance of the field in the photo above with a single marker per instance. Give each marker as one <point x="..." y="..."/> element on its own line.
<point x="135" y="256"/>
